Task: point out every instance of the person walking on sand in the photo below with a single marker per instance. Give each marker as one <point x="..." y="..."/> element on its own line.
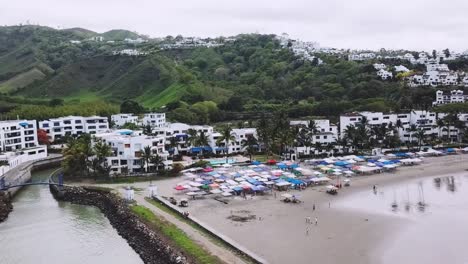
<point x="316" y="221"/>
<point x="307" y="220"/>
<point x="313" y="207"/>
<point x="307" y="231"/>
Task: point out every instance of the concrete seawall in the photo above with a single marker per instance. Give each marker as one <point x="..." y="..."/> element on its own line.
<point x="148" y="243"/>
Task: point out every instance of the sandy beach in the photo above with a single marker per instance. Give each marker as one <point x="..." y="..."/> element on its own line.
<point x="278" y="231"/>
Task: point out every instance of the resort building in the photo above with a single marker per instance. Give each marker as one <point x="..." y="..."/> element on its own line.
<point x="325" y="134"/>
<point x="418" y="119"/>
<point x="18" y="143"/>
<point x="17" y="135"/>
<point x="455" y="96"/>
<point x="154" y="119"/>
<point x="127" y="148"/>
<point x="120" y="120"/>
<point x="57" y="128"/>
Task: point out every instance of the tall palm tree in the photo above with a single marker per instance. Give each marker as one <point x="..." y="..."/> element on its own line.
<point x="440" y="124"/>
<point x="318" y="147"/>
<point x="201" y="141"/>
<point x="173" y="143"/>
<point x="250" y="145"/>
<point x="227" y="137"/>
<point x="192" y="135"/>
<point x="413" y="128"/>
<point x="102" y="151"/>
<point x="146" y="156"/>
<point x="264" y="132"/>
<point x="420" y="135"/>
<point x="157" y="161"/>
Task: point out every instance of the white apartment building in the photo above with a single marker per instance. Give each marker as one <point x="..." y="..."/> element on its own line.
<point x="17" y="135"/>
<point x="384" y="74"/>
<point x="120" y="120"/>
<point x="127" y="148"/>
<point x="235" y="146"/>
<point x="434" y="78"/>
<point x="361" y="56"/>
<point x="326" y="133"/>
<point x="57" y="128"/>
<point x="379" y="66"/>
<point x="180" y="132"/>
<point x="154" y="119"/>
<point x="424" y="120"/>
<point x="455" y="96"/>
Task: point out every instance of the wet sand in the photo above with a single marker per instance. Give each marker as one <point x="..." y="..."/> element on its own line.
<point x="344" y="234"/>
<point x="341" y="235"/>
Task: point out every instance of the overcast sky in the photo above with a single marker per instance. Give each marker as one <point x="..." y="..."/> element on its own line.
<point x="360" y="24"/>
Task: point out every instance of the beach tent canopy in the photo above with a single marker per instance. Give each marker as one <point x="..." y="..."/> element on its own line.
<point x="180" y="188"/>
<point x="271" y="162"/>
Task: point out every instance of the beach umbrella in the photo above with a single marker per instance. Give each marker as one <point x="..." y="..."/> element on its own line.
<point x="255" y="162"/>
<point x="180" y="188"/>
<point x="208" y="169"/>
<point x="271" y="162"/>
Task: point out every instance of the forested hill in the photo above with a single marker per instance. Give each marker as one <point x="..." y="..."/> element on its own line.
<point x="251" y="73"/>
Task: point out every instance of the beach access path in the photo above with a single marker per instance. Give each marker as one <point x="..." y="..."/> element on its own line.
<point x="217" y="250"/>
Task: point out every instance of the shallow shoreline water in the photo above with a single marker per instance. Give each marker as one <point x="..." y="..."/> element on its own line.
<point x="43" y="230"/>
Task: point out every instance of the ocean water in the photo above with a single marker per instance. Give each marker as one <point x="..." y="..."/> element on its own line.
<point x="435" y="214"/>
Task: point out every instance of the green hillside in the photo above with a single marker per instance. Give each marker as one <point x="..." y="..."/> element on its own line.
<point x="119" y="34"/>
<point x="239" y="78"/>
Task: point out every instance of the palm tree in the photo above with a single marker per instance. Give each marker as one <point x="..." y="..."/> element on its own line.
<point x="102" y="151"/>
<point x="250" y="145"/>
<point x="226" y="136"/>
<point x="413" y="128"/>
<point x="172" y="144"/>
<point x="420" y="135"/>
<point x="146" y="156"/>
<point x="312" y="127"/>
<point x="440" y="124"/>
<point x="192" y="136"/>
<point x="318" y="147"/>
<point x="201" y="141"/>
<point x="157" y="161"/>
<point x="264" y="132"/>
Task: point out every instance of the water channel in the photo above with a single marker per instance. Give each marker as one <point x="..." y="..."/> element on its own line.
<point x="43" y="230"/>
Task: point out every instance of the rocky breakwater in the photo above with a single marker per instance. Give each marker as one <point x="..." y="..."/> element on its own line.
<point x="5" y="206"/>
<point x="151" y="246"/>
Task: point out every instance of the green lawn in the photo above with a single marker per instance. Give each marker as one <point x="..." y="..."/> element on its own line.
<point x="83" y="96"/>
<point x="176" y="235"/>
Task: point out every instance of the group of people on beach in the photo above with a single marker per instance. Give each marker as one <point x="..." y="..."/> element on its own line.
<point x="308" y="221"/>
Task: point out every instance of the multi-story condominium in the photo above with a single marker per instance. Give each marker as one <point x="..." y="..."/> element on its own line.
<point x="57" y="128"/>
<point x="127" y="148"/>
<point x="455" y="96"/>
<point x="235" y="146"/>
<point x="120" y="120"/>
<point x="18" y="135"/>
<point x="421" y="119"/>
<point x="154" y="119"/>
<point x="326" y="133"/>
<point x="179" y="131"/>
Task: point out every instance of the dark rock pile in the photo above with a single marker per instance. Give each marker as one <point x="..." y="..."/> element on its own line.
<point x="5" y="206"/>
<point x="150" y="245"/>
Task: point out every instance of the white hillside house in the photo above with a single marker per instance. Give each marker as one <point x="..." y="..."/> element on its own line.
<point x="384" y="74"/>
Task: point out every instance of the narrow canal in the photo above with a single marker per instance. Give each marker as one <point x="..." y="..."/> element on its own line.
<point x="43" y="230"/>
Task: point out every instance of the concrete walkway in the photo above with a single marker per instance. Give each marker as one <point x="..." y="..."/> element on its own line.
<point x="200" y="238"/>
